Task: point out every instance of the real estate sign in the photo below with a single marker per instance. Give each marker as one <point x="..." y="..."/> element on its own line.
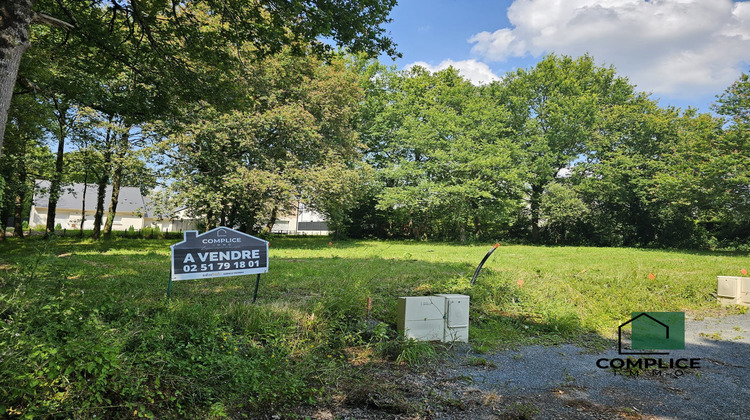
<point x="220" y="252"/>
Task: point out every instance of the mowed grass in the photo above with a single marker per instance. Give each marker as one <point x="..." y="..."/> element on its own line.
<point x="73" y="312"/>
<point x="524" y="293"/>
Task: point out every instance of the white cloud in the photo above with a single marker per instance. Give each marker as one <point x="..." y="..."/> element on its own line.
<point x="475" y="71"/>
<point x="677" y="47"/>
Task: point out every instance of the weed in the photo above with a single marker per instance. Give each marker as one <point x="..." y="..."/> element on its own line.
<point x="491" y="398"/>
<point x="481" y="362"/>
<point x="480" y="347"/>
<point x="520" y="411"/>
<point x="568" y="378"/>
<point x="410" y="352"/>
<point x="714" y="336"/>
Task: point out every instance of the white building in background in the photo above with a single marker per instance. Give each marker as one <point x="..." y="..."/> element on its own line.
<point x="133" y="209"/>
<point x="302" y="221"/>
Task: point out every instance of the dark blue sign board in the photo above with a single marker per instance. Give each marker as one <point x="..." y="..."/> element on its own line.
<point x="220" y="252"/>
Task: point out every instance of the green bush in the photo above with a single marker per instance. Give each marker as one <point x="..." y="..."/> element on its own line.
<point x="147" y="232"/>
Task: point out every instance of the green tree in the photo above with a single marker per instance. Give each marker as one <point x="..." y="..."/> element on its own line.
<point x="703" y="189"/>
<point x="732" y="168"/>
<point x="617" y="178"/>
<point x="442" y="151"/>
<point x="556" y="110"/>
<point x="169" y="29"/>
<point x="563" y="210"/>
<point x="26" y="159"/>
<point x="242" y="168"/>
<point x="334" y="187"/>
<point x="63" y="118"/>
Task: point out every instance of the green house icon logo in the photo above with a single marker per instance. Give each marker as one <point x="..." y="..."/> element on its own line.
<point x="654" y="331"/>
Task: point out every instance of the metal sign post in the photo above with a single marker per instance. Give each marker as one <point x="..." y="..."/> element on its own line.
<point x="220" y="252"/>
<point x="257" y="283"/>
<point x="169" y="285"/>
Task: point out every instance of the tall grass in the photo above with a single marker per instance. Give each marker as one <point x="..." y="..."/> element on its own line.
<point x="85" y="329"/>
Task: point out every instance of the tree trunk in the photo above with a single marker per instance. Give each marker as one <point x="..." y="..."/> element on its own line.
<point x="18" y="155"/>
<point x="477" y="226"/>
<point x="15" y="18"/>
<point x="209" y="220"/>
<point x="248" y="223"/>
<point x="233" y="220"/>
<point x="102" y="184"/>
<point x="536" y="199"/>
<point x="18" y="206"/>
<point x="3" y="224"/>
<point x="83" y="201"/>
<point x="100" y="195"/>
<point x="272" y="220"/>
<point x="117" y="180"/>
<point x="56" y="184"/>
<point x="54" y="189"/>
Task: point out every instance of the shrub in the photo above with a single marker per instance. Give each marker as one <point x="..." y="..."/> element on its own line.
<point x="147" y="232"/>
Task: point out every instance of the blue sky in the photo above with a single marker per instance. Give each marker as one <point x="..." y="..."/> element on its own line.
<point x="684" y="52"/>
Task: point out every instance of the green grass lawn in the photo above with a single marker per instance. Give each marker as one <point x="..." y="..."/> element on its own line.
<point x="85" y="328"/>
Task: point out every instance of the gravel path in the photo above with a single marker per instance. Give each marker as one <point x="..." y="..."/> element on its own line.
<point x="564" y="381"/>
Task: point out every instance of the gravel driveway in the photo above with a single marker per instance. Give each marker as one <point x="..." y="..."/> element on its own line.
<point x="564" y="381"/>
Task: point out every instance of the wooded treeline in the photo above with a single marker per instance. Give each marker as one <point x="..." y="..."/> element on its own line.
<point x="565" y="152"/>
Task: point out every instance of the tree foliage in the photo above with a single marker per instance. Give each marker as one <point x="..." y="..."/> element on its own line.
<point x="444" y="157"/>
<point x="556" y="110"/>
<point x="592" y="161"/>
<point x="166" y="46"/>
<point x="245" y="167"/>
<point x="564" y="152"/>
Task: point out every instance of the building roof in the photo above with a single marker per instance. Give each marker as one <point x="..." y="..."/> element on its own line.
<point x="130" y="199"/>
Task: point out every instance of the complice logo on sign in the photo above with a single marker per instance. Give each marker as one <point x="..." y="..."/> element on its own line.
<point x="651" y="334"/>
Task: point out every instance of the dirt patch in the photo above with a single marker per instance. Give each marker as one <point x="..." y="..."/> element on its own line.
<point x="436" y="396"/>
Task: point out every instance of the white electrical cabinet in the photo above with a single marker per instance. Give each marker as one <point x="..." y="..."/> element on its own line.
<point x="745" y="290"/>
<point x="728" y="289"/>
<point x="421" y="317"/>
<point x="456" y="318"/>
<point x="434" y="318"/>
